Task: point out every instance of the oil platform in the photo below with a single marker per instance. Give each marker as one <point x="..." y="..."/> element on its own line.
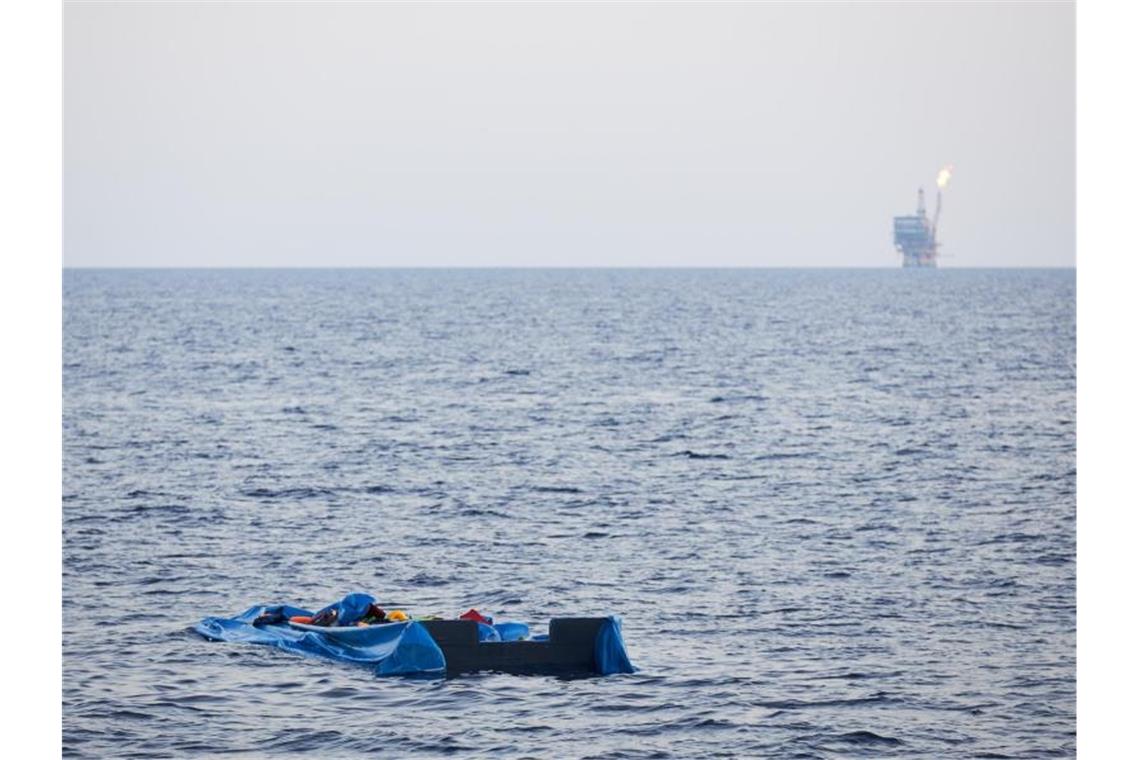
<point x="916" y="237"/>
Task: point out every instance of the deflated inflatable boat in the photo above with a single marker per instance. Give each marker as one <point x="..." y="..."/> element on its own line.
<point x="574" y="646"/>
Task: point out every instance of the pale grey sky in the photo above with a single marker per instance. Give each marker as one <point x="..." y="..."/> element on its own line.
<point x="542" y="134"/>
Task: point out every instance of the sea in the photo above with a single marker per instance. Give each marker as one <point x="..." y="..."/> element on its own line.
<point x="834" y="509"/>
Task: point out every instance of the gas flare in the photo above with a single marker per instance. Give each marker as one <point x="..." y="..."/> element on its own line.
<point x="944" y="176"/>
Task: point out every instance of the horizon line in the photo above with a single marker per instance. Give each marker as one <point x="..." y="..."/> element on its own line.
<point x="504" y="267"/>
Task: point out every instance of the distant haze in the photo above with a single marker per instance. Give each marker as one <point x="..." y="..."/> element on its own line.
<point x="541" y="134"/>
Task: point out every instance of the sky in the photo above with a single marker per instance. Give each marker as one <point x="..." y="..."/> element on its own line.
<point x="564" y="135"/>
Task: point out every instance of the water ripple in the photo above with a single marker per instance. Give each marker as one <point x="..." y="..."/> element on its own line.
<point x="833" y="529"/>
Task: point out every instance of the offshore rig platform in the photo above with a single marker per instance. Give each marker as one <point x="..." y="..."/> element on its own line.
<point x="916" y="237"/>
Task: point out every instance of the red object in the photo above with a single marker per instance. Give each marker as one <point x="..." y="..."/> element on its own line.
<point x="301" y="619"/>
<point x="473" y="614"/>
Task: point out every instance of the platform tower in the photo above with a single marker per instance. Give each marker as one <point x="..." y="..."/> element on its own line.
<point x="916" y="237"/>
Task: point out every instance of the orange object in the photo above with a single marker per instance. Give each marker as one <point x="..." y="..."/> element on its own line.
<point x="301" y="619"/>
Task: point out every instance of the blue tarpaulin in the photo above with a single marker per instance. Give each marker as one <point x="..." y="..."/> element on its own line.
<point x="502" y="631"/>
<point x="609" y="649"/>
<point x="351" y="609"/>
<point x="389" y="649"/>
<point x="512" y="631"/>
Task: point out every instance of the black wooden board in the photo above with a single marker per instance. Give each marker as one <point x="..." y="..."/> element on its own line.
<point x="569" y="651"/>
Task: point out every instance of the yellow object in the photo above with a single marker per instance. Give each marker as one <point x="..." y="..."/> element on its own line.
<point x="396" y="616"/>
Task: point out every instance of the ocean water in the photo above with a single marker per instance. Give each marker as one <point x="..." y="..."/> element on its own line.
<point x="835" y="509"/>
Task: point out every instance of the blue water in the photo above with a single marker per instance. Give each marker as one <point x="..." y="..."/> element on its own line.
<point x="834" y="508"/>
